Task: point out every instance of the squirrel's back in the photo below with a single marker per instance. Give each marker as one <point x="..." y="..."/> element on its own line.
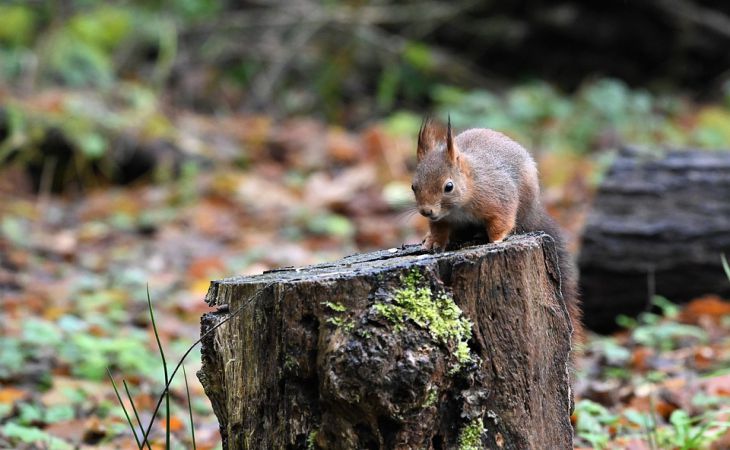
<point x="503" y="168"/>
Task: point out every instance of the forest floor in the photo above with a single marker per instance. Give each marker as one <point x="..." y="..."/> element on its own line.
<point x="75" y="268"/>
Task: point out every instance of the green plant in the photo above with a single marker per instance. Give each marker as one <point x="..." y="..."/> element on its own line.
<point x="145" y="431"/>
<point x="33" y="436"/>
<point x="592" y="421"/>
<point x="661" y="331"/>
<point x="690" y="433"/>
<point x="544" y="118"/>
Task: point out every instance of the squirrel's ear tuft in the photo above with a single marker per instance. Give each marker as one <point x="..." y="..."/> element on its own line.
<point x="426" y="138"/>
<point x="452" y="152"/>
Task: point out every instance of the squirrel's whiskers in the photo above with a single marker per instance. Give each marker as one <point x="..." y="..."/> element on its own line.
<point x="408" y="211"/>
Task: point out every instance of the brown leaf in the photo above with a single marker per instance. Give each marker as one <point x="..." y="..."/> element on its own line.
<point x="336" y="192"/>
<point x="631" y="444"/>
<point x="176" y="424"/>
<point x="709" y="305"/>
<point x="719" y="385"/>
<point x="639" y="358"/>
<point x="10" y="395"/>
<point x="206" y="267"/>
<point x="343" y="147"/>
<point x="69" y="430"/>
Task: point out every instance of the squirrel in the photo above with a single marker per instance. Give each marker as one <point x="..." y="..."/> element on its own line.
<point x="483" y="179"/>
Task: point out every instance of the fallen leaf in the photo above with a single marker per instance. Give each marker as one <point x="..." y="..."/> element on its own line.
<point x="11" y="395"/>
<point x="631" y="444"/>
<point x="206" y="267"/>
<point x="176" y="424"/>
<point x="639" y="358"/>
<point x="709" y="305"/>
<point x="719" y="385"/>
<point x="342" y="146"/>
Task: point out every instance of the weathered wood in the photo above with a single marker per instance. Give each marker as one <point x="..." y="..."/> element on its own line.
<point x="336" y="356"/>
<point x="658" y="225"/>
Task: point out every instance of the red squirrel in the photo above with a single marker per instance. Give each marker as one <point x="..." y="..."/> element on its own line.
<point x="483" y="179"/>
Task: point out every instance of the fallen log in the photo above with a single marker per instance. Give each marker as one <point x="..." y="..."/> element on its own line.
<point x="395" y="349"/>
<point x="658" y="226"/>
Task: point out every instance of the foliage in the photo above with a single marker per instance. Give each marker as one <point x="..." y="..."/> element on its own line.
<point x="95" y="43"/>
<point x="644" y="362"/>
<point x="33" y="435"/>
<point x="688" y="433"/>
<point x="68" y="343"/>
<point x="592" y="423"/>
<point x="651" y="331"/>
<point x="74" y="134"/>
<point x="603" y="113"/>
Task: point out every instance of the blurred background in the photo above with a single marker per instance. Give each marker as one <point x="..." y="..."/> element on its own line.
<point x="163" y="144"/>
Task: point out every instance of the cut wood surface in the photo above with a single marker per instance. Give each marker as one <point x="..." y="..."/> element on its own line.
<point x="658" y="226"/>
<point x="396" y="349"/>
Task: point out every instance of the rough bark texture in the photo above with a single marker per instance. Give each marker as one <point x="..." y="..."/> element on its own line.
<point x="658" y="225"/>
<point x="333" y="355"/>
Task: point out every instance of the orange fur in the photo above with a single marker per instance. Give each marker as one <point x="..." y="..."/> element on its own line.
<point x="495" y="187"/>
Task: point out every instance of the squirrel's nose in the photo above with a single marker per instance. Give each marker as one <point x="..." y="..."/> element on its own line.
<point x="426" y="212"/>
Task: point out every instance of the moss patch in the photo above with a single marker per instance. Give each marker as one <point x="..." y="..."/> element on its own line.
<point x="435" y="312"/>
<point x="312" y="441"/>
<point x="433" y="396"/>
<point x="470" y="437"/>
<point x="339" y="322"/>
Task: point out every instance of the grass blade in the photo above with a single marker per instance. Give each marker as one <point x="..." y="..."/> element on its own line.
<point x="725" y="265"/>
<point x="124" y="408"/>
<point x="231" y="315"/>
<point x="164" y="366"/>
<point x="134" y="409"/>
<point x="190" y="406"/>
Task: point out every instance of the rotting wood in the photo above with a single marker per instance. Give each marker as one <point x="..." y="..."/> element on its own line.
<point x="659" y="224"/>
<point x="371" y="352"/>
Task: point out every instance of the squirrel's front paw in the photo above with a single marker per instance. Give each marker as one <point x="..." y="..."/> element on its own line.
<point x="431" y="243"/>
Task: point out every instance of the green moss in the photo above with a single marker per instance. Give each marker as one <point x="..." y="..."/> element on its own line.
<point x="435" y="312"/>
<point x="471" y="435"/>
<point x="312" y="441"/>
<point x="337" y="307"/>
<point x="339" y="322"/>
<point x="433" y="396"/>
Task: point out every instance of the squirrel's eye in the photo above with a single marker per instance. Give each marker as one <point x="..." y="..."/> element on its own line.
<point x="448" y="187"/>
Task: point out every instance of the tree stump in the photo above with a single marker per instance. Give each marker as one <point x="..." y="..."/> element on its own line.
<point x="396" y="349"/>
<point x="658" y="226"/>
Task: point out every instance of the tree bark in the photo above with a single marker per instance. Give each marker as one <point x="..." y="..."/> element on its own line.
<point x="375" y="351"/>
<point x="658" y="226"/>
